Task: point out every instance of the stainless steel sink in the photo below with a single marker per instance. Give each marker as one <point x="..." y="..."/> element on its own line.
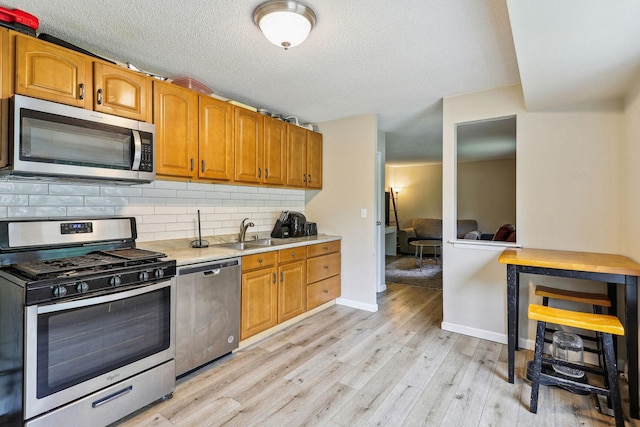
<point x="247" y="244"/>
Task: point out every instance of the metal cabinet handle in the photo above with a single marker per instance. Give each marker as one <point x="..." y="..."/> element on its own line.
<point x="304" y="178"/>
<point x="192" y="165"/>
<point x="326" y="266"/>
<point x="81" y="91"/>
<point x="274" y="277"/>
<point x="260" y="260"/>
<point x="281" y="277"/>
<point x="309" y="178"/>
<point x="326" y="291"/>
<point x="293" y="254"/>
<point x="266" y="172"/>
<point x="99" y="96"/>
<point x="203" y="166"/>
<point x="259" y="172"/>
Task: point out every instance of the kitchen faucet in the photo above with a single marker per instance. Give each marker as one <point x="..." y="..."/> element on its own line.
<point x="243" y="229"/>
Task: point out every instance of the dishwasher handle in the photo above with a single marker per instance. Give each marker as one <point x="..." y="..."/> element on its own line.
<point x="210" y="269"/>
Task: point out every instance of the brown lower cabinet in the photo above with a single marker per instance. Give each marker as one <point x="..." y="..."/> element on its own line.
<point x="276" y="286"/>
<point x="259" y="294"/>
<point x="323" y="273"/>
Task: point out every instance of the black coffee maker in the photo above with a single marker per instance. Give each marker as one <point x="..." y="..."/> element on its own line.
<point x="290" y="224"/>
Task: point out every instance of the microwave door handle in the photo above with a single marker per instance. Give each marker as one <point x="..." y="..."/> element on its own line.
<point x="137" y="150"/>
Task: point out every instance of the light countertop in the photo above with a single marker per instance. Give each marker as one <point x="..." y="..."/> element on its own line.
<point x="181" y="250"/>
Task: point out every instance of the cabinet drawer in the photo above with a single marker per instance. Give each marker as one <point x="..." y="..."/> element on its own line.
<point x="321" y="267"/>
<point x="323" y="248"/>
<point x="265" y="259"/>
<point x="320" y="292"/>
<point x="291" y="254"/>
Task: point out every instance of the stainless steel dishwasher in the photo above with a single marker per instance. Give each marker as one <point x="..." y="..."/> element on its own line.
<point x="207" y="313"/>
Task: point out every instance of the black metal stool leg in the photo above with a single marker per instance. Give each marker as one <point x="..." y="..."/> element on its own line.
<point x="537" y="367"/>
<point x="610" y="362"/>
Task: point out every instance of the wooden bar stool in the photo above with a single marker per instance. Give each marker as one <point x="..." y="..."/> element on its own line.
<point x="597" y="301"/>
<point x="603" y="323"/>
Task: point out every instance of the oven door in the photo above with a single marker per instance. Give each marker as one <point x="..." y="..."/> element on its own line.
<point x="78" y="347"/>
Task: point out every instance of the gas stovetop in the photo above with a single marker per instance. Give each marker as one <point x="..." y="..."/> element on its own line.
<point x="88" y="275"/>
<point x="86" y="264"/>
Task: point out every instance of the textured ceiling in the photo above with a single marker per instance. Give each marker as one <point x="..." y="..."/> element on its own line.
<point x="396" y="59"/>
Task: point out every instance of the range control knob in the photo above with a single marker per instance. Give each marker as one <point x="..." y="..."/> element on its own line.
<point x="82" y="287"/>
<point x="115" y="281"/>
<point x="59" y="291"/>
<point x="159" y="273"/>
<point x="143" y="276"/>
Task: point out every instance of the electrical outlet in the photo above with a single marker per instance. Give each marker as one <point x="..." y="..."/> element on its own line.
<point x="363" y="213"/>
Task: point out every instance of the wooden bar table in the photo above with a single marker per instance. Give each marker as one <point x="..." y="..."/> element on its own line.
<point x="611" y="269"/>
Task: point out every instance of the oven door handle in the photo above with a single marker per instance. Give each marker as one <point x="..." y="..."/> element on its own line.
<point x="111" y="397"/>
<point x="85" y="302"/>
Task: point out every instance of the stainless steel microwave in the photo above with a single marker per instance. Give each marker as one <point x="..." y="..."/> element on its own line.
<point x="48" y="139"/>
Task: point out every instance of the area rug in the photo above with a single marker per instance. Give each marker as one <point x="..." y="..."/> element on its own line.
<point x="403" y="270"/>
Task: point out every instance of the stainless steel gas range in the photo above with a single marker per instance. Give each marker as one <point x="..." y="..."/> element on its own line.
<point x="87" y="322"/>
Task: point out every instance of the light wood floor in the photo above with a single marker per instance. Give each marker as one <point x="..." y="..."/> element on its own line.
<point x="346" y="367"/>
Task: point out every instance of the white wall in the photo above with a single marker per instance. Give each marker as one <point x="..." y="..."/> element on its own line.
<point x="349" y="147"/>
<point x="163" y="209"/>
<point x="631" y="189"/>
<point x="569" y="197"/>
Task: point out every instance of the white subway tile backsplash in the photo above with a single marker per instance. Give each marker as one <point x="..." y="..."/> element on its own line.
<point x="79" y="190"/>
<point x="106" y="201"/>
<point x="45" y="200"/>
<point x="163" y="209"/>
<point x="40" y="211"/>
<point x="158" y="219"/>
<point x="14" y="199"/>
<point x="121" y="191"/>
<point x="90" y="211"/>
<point x="152" y="192"/>
<point x="23" y="187"/>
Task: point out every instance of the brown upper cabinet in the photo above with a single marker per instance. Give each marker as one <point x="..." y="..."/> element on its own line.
<point x="175" y="114"/>
<point x="216" y="139"/>
<point x="260" y="144"/>
<point x="47" y="71"/>
<point x="249" y="134"/>
<point x="304" y="158"/>
<point x="194" y="134"/>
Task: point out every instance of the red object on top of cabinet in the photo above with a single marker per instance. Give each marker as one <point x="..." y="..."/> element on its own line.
<point x="19" y="17"/>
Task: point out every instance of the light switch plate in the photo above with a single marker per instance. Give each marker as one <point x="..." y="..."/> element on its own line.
<point x="363" y="213"/>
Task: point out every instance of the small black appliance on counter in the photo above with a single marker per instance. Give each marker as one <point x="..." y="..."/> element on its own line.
<point x="293" y="224"/>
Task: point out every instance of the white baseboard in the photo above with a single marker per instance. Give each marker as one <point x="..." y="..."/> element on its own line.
<point x="474" y="332"/>
<point x="357" y="304"/>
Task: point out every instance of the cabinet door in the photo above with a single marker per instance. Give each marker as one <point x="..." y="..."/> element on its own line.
<point x="175" y="115"/>
<point x="121" y="92"/>
<point x="292" y="292"/>
<point x="5" y="93"/>
<point x="314" y="160"/>
<point x="275" y="150"/>
<point x="296" y="156"/>
<point x="50" y="72"/>
<point x="216" y="139"/>
<point x="248" y="126"/>
<point x="259" y="301"/>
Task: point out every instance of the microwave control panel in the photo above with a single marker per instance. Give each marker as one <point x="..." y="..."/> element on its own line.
<point x="146" y="158"/>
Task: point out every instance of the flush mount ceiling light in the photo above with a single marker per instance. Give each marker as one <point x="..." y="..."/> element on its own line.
<point x="284" y="23"/>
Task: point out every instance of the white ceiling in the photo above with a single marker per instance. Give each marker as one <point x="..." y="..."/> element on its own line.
<point x="396" y="59"/>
